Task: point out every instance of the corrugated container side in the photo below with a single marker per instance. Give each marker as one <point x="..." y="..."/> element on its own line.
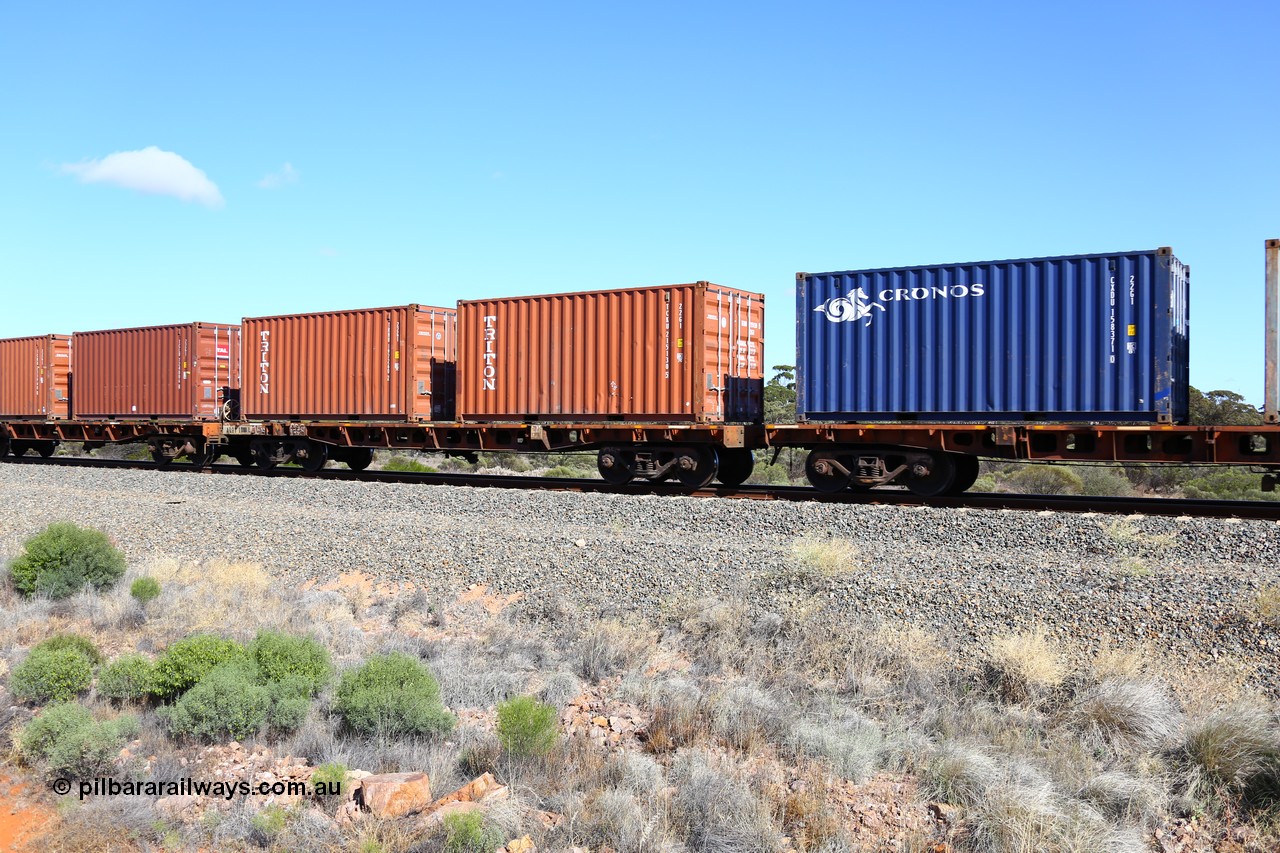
<point x="362" y="363"/>
<point x="35" y="377"/>
<point x="684" y="352"/>
<point x="155" y="371"/>
<point x="1084" y="337"/>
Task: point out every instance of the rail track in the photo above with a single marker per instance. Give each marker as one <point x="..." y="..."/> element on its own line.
<point x="1265" y="510"/>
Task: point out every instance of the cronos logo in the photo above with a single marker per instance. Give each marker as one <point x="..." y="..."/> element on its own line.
<point x="858" y="306"/>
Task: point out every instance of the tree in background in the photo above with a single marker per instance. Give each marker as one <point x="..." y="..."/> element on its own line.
<point x="1222" y="408"/>
<point x="779" y="408"/>
<point x="780" y="395"/>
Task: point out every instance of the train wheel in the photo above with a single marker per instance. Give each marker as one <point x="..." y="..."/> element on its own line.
<point x="966" y="474"/>
<point x="615" y="467"/>
<point x="316" y="455"/>
<point x="159" y="456"/>
<point x="46" y="448"/>
<point x="736" y="464"/>
<point x="931" y="476"/>
<point x="244" y="458"/>
<point x="18" y="448"/>
<point x="358" y="458"/>
<point x="826" y="472"/>
<point x="696" y="467"/>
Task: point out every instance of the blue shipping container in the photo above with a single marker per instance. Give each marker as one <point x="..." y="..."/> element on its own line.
<point x="1098" y="338"/>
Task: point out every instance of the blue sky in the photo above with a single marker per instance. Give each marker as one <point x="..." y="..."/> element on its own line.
<point x="445" y="151"/>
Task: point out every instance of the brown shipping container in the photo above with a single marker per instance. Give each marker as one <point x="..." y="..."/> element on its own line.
<point x="35" y="377"/>
<point x="364" y="363"/>
<point x="680" y="352"/>
<point x="155" y="371"/>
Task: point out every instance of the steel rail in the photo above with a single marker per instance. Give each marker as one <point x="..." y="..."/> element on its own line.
<point x="1265" y="510"/>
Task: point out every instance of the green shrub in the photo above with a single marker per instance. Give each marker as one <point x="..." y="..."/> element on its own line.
<point x="467" y="832"/>
<point x="562" y="471"/>
<point x="73" y="743"/>
<point x="189" y="660"/>
<point x="84" y="753"/>
<point x="226" y="703"/>
<point x="281" y="657"/>
<point x="527" y="726"/>
<point x="1105" y="480"/>
<point x="61" y="559"/>
<point x="145" y="589"/>
<point x="1228" y="484"/>
<point x="76" y="642"/>
<point x="51" y="675"/>
<point x="290" y="702"/>
<point x="50" y="726"/>
<point x="392" y="695"/>
<point x="332" y="776"/>
<point x="127" y="678"/>
<point x="406" y="464"/>
<point x="269" y="822"/>
<point x="1039" y="479"/>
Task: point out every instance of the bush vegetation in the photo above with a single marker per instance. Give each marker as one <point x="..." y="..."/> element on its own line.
<point x="145" y="589"/>
<point x="226" y="703"/>
<point x="299" y="661"/>
<point x="72" y="743"/>
<point x="392" y="695"/>
<point x="188" y="660"/>
<point x="408" y="465"/>
<point x="52" y="674"/>
<point x="527" y="727"/>
<point x="468" y="832"/>
<point x="128" y="678"/>
<point x="64" y="558"/>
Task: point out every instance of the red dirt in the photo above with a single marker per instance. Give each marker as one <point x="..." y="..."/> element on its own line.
<point x="21" y="821"/>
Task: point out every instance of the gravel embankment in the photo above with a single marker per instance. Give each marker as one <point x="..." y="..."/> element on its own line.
<point x="1187" y="586"/>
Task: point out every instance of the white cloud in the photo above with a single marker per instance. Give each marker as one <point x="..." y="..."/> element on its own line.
<point x="275" y="180"/>
<point x="150" y="170"/>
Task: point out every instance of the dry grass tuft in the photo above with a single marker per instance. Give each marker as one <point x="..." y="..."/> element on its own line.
<point x="960" y="775"/>
<point x="1268" y="605"/>
<point x="814" y="559"/>
<point x="678" y="718"/>
<point x="1120" y="663"/>
<point x="1137" y="715"/>
<point x="228" y="598"/>
<point x="1130" y="540"/>
<point x="608" y="648"/>
<point x="717" y="809"/>
<point x="746" y="717"/>
<point x="1024" y="666"/>
<point x="1231" y="748"/>
<point x="1125" y="797"/>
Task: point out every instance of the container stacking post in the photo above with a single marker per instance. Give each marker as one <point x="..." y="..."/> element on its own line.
<point x="1271" y="393"/>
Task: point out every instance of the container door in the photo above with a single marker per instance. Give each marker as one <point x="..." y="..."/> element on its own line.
<point x="434" y="352"/>
<point x="733" y="346"/>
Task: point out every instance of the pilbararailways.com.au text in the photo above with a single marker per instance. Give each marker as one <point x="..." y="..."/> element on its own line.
<point x="106" y="787"/>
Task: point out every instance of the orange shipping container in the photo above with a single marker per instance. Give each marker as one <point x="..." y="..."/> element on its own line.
<point x="156" y="371"/>
<point x="680" y="352"/>
<point x="364" y="363"/>
<point x="35" y="377"/>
